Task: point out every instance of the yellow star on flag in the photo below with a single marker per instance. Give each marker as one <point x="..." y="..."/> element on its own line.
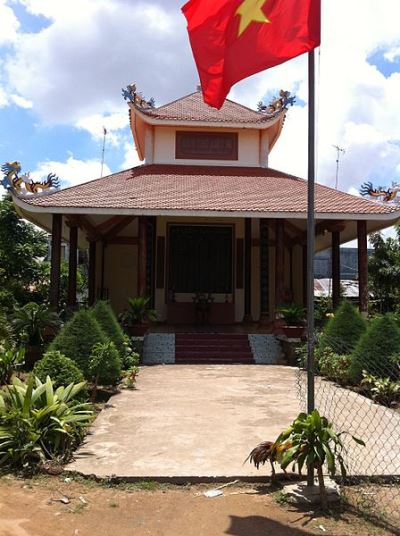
<point x="250" y="11"/>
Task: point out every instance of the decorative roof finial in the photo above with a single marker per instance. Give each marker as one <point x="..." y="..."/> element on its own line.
<point x="388" y="195"/>
<point x="278" y="104"/>
<point x="23" y="184"/>
<point x="132" y="95"/>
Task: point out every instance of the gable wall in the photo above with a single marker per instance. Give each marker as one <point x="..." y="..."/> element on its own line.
<point x="249" y="147"/>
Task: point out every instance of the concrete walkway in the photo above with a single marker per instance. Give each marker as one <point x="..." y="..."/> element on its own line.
<point x="199" y="422"/>
<point x="188" y="422"/>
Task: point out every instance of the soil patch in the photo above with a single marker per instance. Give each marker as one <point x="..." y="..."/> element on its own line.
<point x="51" y="506"/>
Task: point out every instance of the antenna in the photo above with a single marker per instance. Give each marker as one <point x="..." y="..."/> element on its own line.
<point x="104" y="150"/>
<point x="338" y="151"/>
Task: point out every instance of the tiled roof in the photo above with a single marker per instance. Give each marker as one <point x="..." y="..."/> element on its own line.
<point x="193" y="108"/>
<point x="204" y="188"/>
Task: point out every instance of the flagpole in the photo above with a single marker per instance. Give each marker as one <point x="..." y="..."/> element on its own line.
<point x="103" y="150"/>
<point x="310" y="242"/>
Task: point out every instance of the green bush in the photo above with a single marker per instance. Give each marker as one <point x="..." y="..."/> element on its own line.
<point x="375" y="349"/>
<point x="60" y="368"/>
<point x="77" y="339"/>
<point x="39" y="423"/>
<point x="343" y="330"/>
<point x="105" y="364"/>
<point x="334" y="366"/>
<point x="109" y="324"/>
<point x="381" y="390"/>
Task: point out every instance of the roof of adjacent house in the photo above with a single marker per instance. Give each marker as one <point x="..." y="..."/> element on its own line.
<point x="192" y="108"/>
<point x="206" y="190"/>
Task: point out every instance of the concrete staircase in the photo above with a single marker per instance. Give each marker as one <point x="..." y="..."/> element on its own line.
<point x="213" y="348"/>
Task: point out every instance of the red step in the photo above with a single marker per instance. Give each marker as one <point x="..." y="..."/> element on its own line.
<point x="212" y="348"/>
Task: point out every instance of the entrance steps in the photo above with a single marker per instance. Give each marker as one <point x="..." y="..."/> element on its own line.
<point x="213" y="348"/>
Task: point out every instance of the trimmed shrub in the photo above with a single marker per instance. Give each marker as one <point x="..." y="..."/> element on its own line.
<point x="343" y="330"/>
<point x="77" y="339"/>
<point x="375" y="349"/>
<point x="109" y="324"/>
<point x="60" y="368"/>
<point x="105" y="364"/>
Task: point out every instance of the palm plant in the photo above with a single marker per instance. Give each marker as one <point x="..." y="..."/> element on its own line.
<point x="313" y="442"/>
<point x="138" y="312"/>
<point x="31" y="322"/>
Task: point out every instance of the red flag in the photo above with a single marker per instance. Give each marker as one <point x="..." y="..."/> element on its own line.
<point x="233" y="39"/>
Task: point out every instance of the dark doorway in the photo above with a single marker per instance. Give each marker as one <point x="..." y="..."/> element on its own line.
<point x="200" y="259"/>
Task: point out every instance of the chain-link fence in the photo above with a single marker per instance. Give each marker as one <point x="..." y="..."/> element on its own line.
<point x="368" y="407"/>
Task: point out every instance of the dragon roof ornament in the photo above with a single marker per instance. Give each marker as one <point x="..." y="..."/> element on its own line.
<point x="384" y="195"/>
<point x="132" y="95"/>
<point x="23" y="184"/>
<point x="278" y="104"/>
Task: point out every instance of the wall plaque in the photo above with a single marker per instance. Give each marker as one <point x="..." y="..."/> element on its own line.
<point x="206" y="145"/>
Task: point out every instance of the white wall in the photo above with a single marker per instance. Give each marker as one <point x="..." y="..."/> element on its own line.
<point x="249" y="147"/>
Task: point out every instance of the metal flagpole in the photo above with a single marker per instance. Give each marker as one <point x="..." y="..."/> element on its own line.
<point x="310" y="242"/>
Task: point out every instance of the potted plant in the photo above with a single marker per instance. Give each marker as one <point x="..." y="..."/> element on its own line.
<point x="293" y="315"/>
<point x="136" y="319"/>
<point x="33" y="322"/>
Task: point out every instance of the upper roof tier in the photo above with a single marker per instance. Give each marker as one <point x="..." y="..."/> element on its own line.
<point x="192" y="108"/>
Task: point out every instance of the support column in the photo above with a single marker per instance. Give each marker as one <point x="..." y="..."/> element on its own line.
<point x="362" y="266"/>
<point x="55" y="261"/>
<point x="72" y="265"/>
<point x="142" y="257"/>
<point x="279" y="262"/>
<point x="264" y="270"/>
<point x="335" y="269"/>
<point x="247" y="271"/>
<point x="92" y="271"/>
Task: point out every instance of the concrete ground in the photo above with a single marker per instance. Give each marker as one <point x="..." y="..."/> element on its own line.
<point x="190" y="421"/>
<point x="199" y="422"/>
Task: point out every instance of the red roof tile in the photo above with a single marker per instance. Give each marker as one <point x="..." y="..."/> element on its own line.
<point x="204" y="188"/>
<point x="193" y="108"/>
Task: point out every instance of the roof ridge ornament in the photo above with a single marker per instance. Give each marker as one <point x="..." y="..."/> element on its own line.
<point x="388" y="195"/>
<point x="23" y="184"/>
<point x="132" y="95"/>
<point x="278" y="104"/>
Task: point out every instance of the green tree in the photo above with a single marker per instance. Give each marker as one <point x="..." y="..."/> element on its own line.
<point x="375" y="350"/>
<point x="109" y="324"/>
<point x="21" y="248"/>
<point x="344" y="329"/>
<point x="43" y="287"/>
<point x="384" y="271"/>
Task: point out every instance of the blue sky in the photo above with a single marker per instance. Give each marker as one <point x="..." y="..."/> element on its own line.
<point x="63" y="63"/>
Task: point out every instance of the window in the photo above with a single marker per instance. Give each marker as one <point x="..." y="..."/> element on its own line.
<point x="206" y="145"/>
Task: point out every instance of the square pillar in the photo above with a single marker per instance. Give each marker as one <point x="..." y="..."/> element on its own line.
<point x="247" y="271"/>
<point x="72" y="265"/>
<point x="362" y="266"/>
<point x="92" y="272"/>
<point x="279" y="262"/>
<point x="142" y="257"/>
<point x="56" y="231"/>
<point x="335" y="269"/>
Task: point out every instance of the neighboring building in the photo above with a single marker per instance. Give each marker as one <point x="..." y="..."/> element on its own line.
<point x="204" y="214"/>
<point x="348" y="263"/>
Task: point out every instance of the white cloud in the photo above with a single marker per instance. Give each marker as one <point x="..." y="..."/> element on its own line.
<point x="392" y="55"/>
<point x="113" y="123"/>
<point x="9" y="24"/>
<point x="21" y="102"/>
<point x="131" y="158"/>
<point x="72" y="171"/>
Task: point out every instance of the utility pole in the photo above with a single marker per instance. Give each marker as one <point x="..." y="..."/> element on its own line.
<point x="338" y="151"/>
<point x="104" y="150"/>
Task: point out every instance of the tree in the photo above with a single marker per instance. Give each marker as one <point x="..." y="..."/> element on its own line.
<point x="21" y="248"/>
<point x="384" y="271"/>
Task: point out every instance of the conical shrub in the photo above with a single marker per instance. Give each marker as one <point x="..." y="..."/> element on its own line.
<point x="109" y="324"/>
<point x="375" y="350"/>
<point x="77" y="338"/>
<point x="343" y="331"/>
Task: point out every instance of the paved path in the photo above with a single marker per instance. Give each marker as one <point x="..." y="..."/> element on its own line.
<point x="198" y="422"/>
<point x="190" y="421"/>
